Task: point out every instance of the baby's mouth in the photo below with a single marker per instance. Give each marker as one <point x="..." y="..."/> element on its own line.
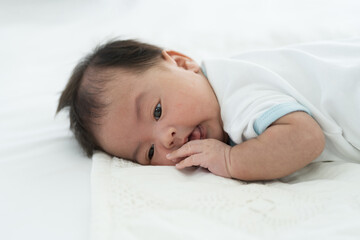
<point x="197" y="133"/>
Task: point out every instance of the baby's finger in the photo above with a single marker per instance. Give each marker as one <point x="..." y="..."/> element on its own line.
<point x="186" y="150"/>
<point x="190" y="161"/>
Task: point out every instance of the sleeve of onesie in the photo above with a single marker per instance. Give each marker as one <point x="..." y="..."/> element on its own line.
<point x="276" y="112"/>
<point x="248" y="111"/>
<point x="251" y="97"/>
<point x="257" y="125"/>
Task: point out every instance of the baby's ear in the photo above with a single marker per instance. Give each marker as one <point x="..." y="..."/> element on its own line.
<point x="181" y="60"/>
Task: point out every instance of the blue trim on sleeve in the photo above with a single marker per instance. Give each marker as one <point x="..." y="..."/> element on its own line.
<point x="276" y="112"/>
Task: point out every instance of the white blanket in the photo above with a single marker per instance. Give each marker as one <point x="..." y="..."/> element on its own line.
<point x="130" y="201"/>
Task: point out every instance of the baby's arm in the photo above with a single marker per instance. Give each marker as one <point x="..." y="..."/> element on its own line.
<point x="289" y="144"/>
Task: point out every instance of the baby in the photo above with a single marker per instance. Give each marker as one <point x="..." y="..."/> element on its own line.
<point x="261" y="115"/>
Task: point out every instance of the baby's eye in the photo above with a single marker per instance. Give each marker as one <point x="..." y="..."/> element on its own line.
<point x="151" y="152"/>
<point x="157" y="111"/>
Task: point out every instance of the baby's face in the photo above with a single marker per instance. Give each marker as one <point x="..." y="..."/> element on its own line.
<point x="155" y="113"/>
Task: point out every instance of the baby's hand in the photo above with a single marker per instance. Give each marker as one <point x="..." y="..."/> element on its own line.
<point x="208" y="153"/>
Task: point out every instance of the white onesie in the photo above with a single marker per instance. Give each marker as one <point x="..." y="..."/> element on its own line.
<point x="256" y="88"/>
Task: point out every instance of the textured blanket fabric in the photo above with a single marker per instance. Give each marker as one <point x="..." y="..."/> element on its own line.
<point x="130" y="201"/>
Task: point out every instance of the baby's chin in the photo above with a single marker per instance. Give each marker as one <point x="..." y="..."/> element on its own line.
<point x="220" y="135"/>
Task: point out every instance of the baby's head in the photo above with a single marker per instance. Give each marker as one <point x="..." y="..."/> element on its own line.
<point x="139" y="102"/>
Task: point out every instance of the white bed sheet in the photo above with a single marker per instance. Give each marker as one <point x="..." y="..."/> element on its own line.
<point x="44" y="177"/>
<point x="130" y="201"/>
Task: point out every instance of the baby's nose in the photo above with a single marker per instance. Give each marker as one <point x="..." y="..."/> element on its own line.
<point x="168" y="138"/>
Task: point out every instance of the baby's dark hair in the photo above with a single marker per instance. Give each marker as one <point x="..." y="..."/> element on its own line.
<point x="84" y="100"/>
